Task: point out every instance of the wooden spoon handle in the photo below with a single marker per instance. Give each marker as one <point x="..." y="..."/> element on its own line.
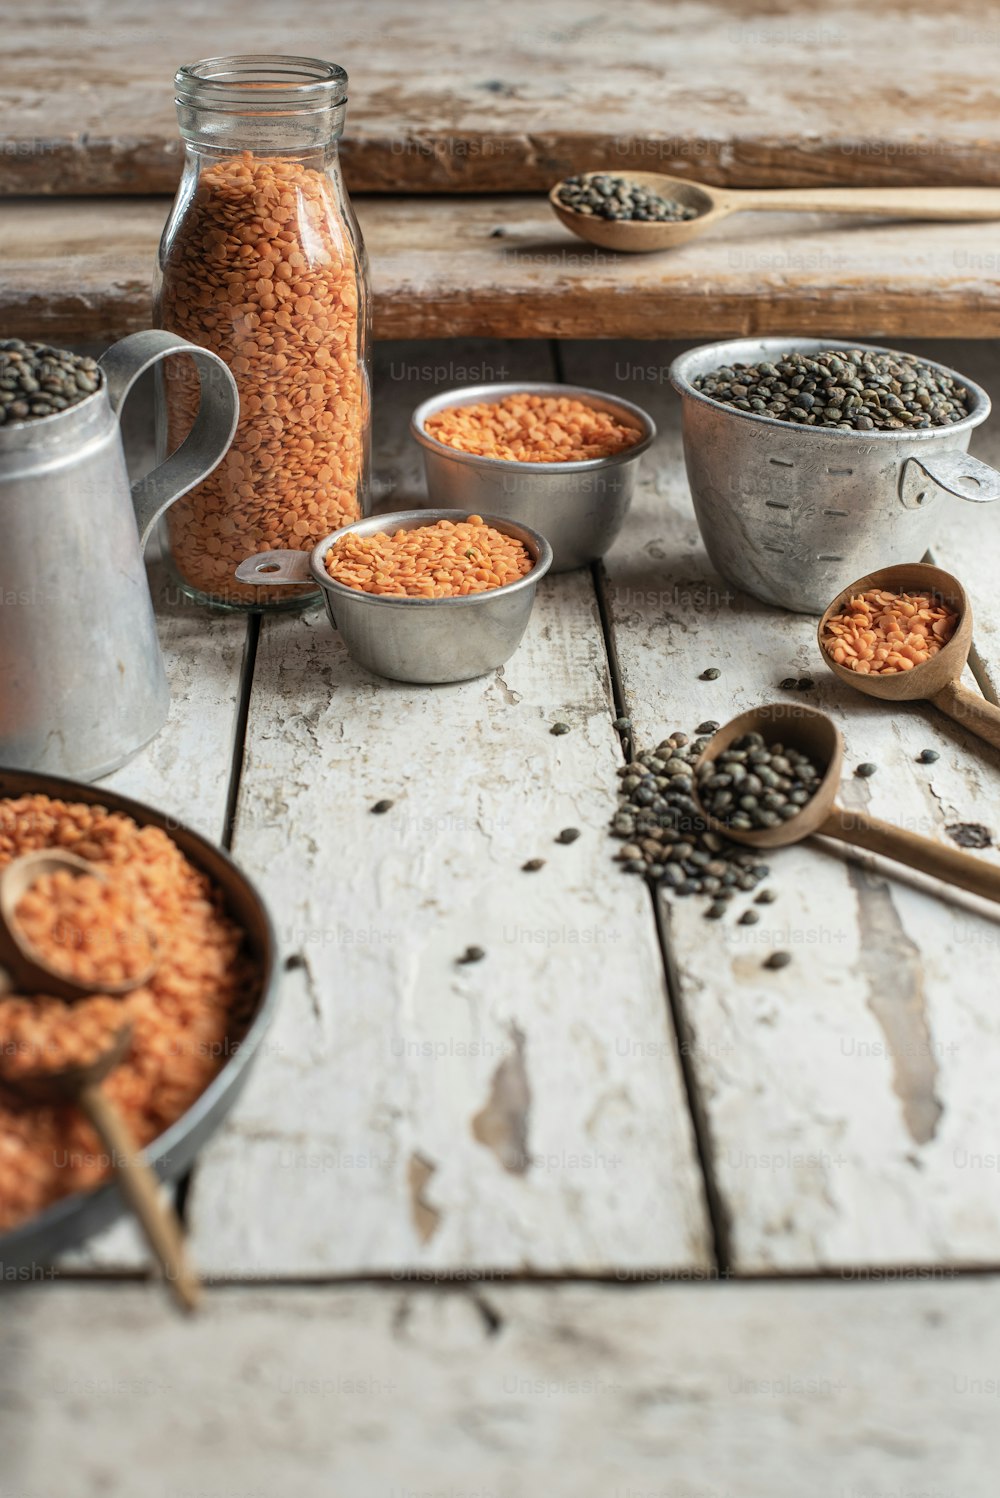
<point x="910" y="848"/>
<point x="972" y="711"/>
<point x="141" y="1189"/>
<point x="892" y="202"/>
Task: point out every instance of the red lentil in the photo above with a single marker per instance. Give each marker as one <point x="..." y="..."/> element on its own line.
<point x="881" y="634"/>
<point x="444" y="560"/>
<point x="524" y="428"/>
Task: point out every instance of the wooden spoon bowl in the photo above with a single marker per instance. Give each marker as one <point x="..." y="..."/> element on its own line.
<point x="630" y="235"/>
<point x="816" y="735"/>
<point x="26" y="969"/>
<point x="797" y="727"/>
<point x="937" y="680"/>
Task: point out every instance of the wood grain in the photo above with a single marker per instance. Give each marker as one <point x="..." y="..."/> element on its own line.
<point x="416" y="1114"/>
<point x="682" y="1391"/>
<point x="504" y="267"/>
<point x="747" y="95"/>
<point x="849" y="1099"/>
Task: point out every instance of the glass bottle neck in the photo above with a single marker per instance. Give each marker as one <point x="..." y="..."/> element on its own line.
<point x="271" y="106"/>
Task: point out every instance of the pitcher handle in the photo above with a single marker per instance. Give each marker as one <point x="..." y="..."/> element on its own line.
<point x="208" y="440"/>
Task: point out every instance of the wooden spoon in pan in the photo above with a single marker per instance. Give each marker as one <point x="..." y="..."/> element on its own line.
<point x="136" y="1179"/>
<point x="817" y="736"/>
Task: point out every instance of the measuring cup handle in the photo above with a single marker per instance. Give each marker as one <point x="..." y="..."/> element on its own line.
<point x="972" y="711"/>
<point x="955" y="472"/>
<point x="916" y="852"/>
<point x="214" y="425"/>
<point x="270" y="568"/>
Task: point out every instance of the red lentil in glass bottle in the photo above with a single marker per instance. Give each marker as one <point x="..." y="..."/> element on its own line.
<point x="262" y="262"/>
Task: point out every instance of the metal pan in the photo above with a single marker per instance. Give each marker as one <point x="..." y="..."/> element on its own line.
<point x="74" y="1218"/>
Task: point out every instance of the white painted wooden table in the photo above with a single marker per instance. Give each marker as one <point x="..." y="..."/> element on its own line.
<point x="616" y="1210"/>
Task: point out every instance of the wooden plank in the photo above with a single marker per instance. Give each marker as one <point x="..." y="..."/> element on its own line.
<point x="505" y="267"/>
<point x="727" y="92"/>
<point x="850" y="1099"/>
<point x="696" y="1390"/>
<point x="416" y="1114"/>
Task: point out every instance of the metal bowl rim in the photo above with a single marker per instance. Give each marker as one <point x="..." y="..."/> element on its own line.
<point x="467" y="395"/>
<point x="372" y="524"/>
<point x="54" y="1217"/>
<point x="681" y="383"/>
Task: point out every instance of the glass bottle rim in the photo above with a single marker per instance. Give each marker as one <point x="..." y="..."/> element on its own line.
<point x="243" y="83"/>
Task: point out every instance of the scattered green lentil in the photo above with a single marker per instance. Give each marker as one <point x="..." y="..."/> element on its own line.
<point x="472" y="954"/>
<point x="622" y="723"/>
<point x="866" y="769"/>
<point x="766" y="897"/>
<point x="778" y="959"/>
<point x="568" y="835"/>
<point x="533" y="865"/>
<point x="929" y="756"/>
<point x="382" y="806"/>
<point x="749" y="918"/>
<point x="712" y="673"/>
<point x="789" y="684"/>
<point x="663" y="834"/>
<point x="559" y="728"/>
<point x="716" y="910"/>
<point x="709" y="726"/>
<point x="804" y="684"/>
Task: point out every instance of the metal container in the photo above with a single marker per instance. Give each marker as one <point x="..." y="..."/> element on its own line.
<point x="74" y="1218"/>
<point x="578" y="507"/>
<point x="82" y="685"/>
<point x="792" y="514"/>
<point x="423" y="640"/>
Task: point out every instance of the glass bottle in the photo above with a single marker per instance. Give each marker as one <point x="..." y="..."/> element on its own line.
<point x="262" y="262"/>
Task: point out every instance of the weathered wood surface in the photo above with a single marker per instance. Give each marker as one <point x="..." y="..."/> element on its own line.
<point x="751" y="95"/>
<point x="505" y="267"/>
<point x="524" y="1112"/>
<point x="850" y="1099"/>
<point x="705" y="1391"/>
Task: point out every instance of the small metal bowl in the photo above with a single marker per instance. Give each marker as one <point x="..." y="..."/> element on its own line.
<point x="423" y="640"/>
<point x="579" y="507"/>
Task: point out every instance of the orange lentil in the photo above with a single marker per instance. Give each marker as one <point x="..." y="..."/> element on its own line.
<point x="84" y="927"/>
<point x="525" y="428"/>
<point x="881" y="634"/>
<point x="444" y="560"/>
<point x="300" y="296"/>
<point x="184" y="1020"/>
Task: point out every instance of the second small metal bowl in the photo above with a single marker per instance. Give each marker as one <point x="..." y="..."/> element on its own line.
<point x="423" y="640"/>
<point x="579" y="507"/>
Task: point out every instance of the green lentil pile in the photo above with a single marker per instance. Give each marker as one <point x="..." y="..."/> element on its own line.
<point x="752" y="784"/>
<point x="850" y="390"/>
<point x="664" y="835"/>
<point x="618" y="198"/>
<point x="37" y="380"/>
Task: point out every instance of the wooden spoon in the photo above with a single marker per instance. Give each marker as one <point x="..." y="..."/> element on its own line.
<point x="136" y="1180"/>
<point x="937" y="680"/>
<point x="26" y="969"/>
<point x="714" y="203"/>
<point x="817" y="736"/>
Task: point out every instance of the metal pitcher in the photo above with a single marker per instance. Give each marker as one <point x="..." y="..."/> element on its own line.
<point x="82" y="684"/>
